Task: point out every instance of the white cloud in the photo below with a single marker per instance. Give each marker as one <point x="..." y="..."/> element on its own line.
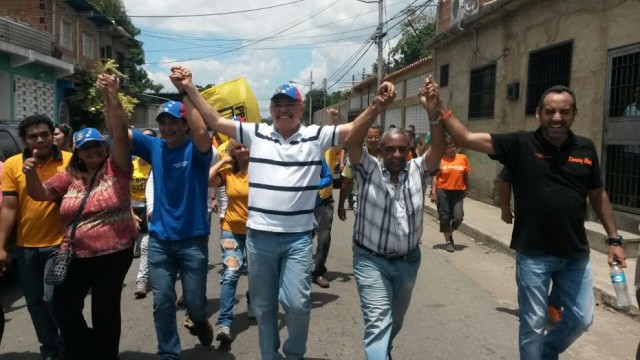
<point x="317" y="40"/>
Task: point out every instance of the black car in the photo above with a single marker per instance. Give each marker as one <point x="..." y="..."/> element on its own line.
<point x="10" y="144"/>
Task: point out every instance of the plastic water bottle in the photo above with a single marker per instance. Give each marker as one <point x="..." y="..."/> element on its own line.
<point x="619" y="282"/>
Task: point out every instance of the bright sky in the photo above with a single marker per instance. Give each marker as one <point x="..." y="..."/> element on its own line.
<point x="267" y="42"/>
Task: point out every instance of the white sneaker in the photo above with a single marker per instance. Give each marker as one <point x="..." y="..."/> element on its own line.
<point x="224" y="333"/>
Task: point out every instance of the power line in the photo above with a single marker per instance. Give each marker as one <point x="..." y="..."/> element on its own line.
<point x="158" y="16"/>
<point x="251" y="42"/>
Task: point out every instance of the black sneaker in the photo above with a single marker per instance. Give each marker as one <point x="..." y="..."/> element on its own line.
<point x="204" y="333"/>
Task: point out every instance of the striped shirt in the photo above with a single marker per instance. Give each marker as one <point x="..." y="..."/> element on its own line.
<point x="284" y="174"/>
<point x="389" y="217"/>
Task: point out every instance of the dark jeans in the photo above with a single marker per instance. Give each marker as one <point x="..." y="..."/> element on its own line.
<point x="31" y="267"/>
<point x="450" y="211"/>
<point x="1" y="322"/>
<point x="104" y="276"/>
<point x="324" y="217"/>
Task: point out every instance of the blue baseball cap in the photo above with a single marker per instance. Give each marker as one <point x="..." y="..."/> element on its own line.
<point x="172" y="108"/>
<point x="86" y="135"/>
<point x="287" y="90"/>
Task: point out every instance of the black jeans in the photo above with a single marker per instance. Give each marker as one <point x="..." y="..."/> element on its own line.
<point x="104" y="276"/>
<point x="324" y="218"/>
<point x="1" y="322"/>
<point x="450" y="211"/>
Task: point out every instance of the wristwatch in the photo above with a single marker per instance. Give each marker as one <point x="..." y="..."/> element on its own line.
<point x="615" y="241"/>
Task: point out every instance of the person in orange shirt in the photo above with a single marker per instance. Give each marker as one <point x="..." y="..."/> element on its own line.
<point x="448" y="188"/>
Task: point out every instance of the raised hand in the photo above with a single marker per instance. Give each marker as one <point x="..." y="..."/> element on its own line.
<point x="181" y="77"/>
<point x="334" y="114"/>
<point x="385" y="94"/>
<point x="108" y="84"/>
<point x="429" y="97"/>
<point x="30" y="163"/>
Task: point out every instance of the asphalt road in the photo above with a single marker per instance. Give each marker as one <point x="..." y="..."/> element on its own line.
<point x="463" y="307"/>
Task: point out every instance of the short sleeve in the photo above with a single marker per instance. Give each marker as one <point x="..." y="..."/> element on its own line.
<point x="595" y="181"/>
<point x="142" y="145"/>
<point x="329" y="136"/>
<point x="245" y="132"/>
<point x="505" y="175"/>
<point x="58" y="184"/>
<point x="506" y="148"/>
<point x="9" y="183"/>
<point x="347" y="172"/>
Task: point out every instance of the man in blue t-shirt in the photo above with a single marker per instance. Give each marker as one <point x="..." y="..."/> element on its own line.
<point x="178" y="229"/>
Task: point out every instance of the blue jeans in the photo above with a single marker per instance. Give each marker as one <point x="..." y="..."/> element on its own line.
<point x="166" y="258"/>
<point x="572" y="282"/>
<point x="38" y="295"/>
<point x="232" y="251"/>
<point x="280" y="269"/>
<point x="385" y="286"/>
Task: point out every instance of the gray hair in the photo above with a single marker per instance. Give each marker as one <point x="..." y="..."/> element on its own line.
<point x="392" y="132"/>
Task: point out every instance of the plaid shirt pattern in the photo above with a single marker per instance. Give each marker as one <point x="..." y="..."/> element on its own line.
<point x="390" y="217"/>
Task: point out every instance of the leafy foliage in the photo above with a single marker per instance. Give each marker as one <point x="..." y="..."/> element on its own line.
<point x="89" y="100"/>
<point x="115" y="9"/>
<point x="410" y="48"/>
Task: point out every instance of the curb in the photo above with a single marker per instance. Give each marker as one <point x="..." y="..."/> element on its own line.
<point x="602" y="296"/>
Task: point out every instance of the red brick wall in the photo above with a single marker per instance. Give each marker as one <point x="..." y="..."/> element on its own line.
<point x="29" y="12"/>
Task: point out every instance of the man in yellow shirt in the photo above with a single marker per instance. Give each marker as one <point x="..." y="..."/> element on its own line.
<point x="39" y="230"/>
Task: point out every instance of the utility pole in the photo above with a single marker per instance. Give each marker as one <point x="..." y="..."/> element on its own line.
<point x="324" y="92"/>
<point x="310" y="98"/>
<point x="379" y="36"/>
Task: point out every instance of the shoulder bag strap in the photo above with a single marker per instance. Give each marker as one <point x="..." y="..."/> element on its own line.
<point x="74" y="226"/>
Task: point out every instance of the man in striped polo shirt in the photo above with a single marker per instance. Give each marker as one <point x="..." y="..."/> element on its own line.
<point x="388" y="226"/>
<point x="284" y="169"/>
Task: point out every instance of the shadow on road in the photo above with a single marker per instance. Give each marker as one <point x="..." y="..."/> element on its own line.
<point x="10" y="293"/>
<point x="196" y="353"/>
<point x="455" y="246"/>
<point x="320" y="299"/>
<point x="514" y="312"/>
<point x="21" y="356"/>
<point x="338" y="276"/>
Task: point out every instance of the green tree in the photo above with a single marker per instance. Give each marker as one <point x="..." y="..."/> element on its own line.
<point x="88" y="109"/>
<point x="115" y="10"/>
<point x="410" y="48"/>
<point x="139" y="81"/>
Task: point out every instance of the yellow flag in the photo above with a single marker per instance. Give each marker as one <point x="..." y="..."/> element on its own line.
<point x="233" y="98"/>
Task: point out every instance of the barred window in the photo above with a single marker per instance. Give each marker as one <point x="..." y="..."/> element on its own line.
<point x="66" y="35"/>
<point x="547" y="67"/>
<point x="444" y="75"/>
<point x="482" y="92"/>
<point x="88" y="46"/>
<point x="624" y="95"/>
<point x="623" y="176"/>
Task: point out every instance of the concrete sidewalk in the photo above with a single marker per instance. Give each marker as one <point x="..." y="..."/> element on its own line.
<point x="482" y="223"/>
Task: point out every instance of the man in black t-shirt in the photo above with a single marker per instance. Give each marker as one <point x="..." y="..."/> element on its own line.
<point x="553" y="172"/>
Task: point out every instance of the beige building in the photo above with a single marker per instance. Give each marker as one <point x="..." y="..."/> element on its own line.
<point x="495" y="58"/>
<point x="405" y="110"/>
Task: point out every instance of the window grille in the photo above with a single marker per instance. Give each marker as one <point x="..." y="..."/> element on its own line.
<point x="444" y="75"/>
<point x="622" y="180"/>
<point x="624" y="95"/>
<point x="482" y="92"/>
<point x="547" y="67"/>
